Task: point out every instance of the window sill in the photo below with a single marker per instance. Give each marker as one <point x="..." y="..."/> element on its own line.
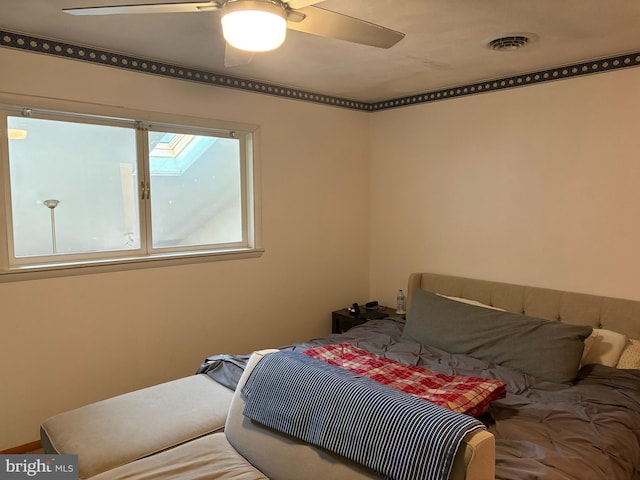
<point x="31" y="272"/>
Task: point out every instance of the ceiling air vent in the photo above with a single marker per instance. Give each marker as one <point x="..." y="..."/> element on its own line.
<point x="512" y="42"/>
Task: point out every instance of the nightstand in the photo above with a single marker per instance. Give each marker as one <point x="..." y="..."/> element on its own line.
<point x="343" y="320"/>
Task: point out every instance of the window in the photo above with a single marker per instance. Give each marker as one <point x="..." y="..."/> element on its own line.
<point x="83" y="190"/>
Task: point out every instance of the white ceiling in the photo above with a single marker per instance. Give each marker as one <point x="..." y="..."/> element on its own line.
<point x="445" y="43"/>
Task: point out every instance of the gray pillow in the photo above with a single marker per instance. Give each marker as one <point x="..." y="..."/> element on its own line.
<point x="545" y="349"/>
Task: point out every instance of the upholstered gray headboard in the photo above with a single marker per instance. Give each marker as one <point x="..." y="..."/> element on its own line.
<point x="615" y="314"/>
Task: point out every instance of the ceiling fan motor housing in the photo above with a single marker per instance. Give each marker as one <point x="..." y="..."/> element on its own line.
<point x="254" y="25"/>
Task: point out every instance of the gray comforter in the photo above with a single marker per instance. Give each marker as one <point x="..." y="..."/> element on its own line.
<point x="586" y="431"/>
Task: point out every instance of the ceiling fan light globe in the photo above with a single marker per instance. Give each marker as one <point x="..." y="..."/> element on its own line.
<point x="254" y="25"/>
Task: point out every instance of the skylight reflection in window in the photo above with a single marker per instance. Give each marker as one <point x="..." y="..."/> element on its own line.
<point x="172" y="154"/>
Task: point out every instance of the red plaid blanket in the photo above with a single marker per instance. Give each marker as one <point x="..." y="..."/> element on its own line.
<point x="468" y="395"/>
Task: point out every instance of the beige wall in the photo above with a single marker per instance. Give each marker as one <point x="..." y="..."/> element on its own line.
<point x="536" y="185"/>
<point x="69" y="341"/>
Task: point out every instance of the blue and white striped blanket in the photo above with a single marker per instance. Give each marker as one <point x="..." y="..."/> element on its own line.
<point x="395" y="434"/>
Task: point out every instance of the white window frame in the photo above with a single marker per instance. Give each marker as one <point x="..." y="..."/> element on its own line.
<point x="12" y="268"/>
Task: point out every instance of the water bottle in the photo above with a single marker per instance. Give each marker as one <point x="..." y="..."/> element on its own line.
<point x="402" y="303"/>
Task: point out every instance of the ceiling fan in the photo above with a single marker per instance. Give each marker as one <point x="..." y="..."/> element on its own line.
<point x="251" y="26"/>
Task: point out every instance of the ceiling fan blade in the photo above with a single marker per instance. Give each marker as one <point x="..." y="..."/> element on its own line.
<point x="176" y="7"/>
<point x="326" y="23"/>
<point x="234" y="56"/>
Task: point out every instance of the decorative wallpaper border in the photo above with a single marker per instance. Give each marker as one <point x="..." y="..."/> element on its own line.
<point x="104" y="57"/>
<point x="575" y="70"/>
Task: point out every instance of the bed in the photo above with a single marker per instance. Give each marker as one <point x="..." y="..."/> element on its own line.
<point x="570" y="364"/>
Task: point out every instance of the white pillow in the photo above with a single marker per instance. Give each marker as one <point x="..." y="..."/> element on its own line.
<point x="630" y="357"/>
<point x="471" y="302"/>
<point x="606" y="347"/>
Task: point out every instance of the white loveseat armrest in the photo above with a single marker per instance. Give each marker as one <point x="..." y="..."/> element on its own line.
<point x="122" y="429"/>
